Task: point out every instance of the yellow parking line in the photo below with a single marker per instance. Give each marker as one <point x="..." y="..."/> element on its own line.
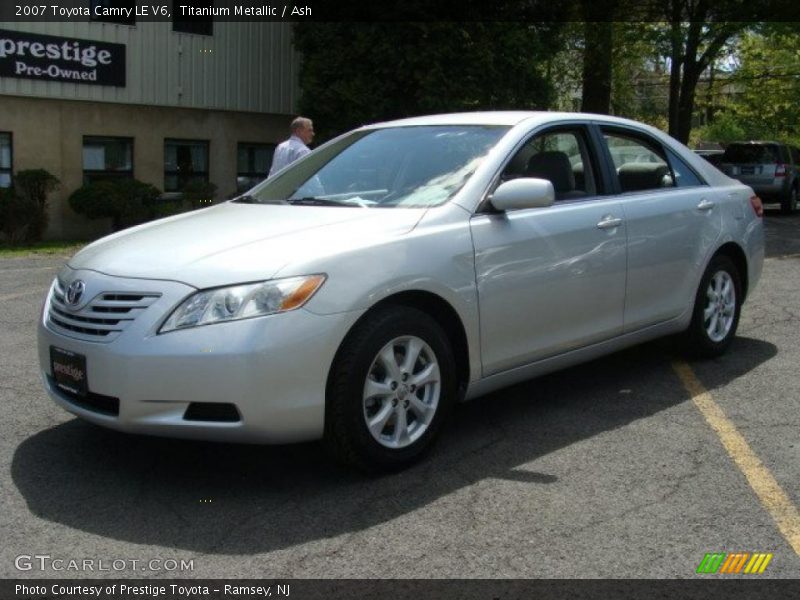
<point x="769" y="493"/>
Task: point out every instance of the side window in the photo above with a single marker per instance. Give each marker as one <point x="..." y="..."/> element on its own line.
<point x="252" y="164"/>
<point x="682" y="173"/>
<point x="562" y="157"/>
<point x="640" y="164"/>
<point x="185" y="161"/>
<point x="795" y="155"/>
<point x="107" y="158"/>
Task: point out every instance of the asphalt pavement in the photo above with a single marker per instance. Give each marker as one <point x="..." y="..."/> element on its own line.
<point x="606" y="470"/>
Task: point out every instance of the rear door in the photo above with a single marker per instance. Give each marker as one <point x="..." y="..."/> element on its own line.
<point x="673" y="221"/>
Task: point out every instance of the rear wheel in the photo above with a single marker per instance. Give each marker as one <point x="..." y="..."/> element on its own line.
<point x="789" y="203"/>
<point x="391" y="387"/>
<point x="716" y="309"/>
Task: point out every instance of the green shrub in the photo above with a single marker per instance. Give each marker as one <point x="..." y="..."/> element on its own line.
<point x="15" y="216"/>
<point x="23" y="208"/>
<point x="126" y="202"/>
<point x="162" y="209"/>
<point x="199" y="193"/>
<point x="725" y="128"/>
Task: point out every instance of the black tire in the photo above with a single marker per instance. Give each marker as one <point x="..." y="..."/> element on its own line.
<point x="346" y="432"/>
<point x="789" y="203"/>
<point x="699" y="342"/>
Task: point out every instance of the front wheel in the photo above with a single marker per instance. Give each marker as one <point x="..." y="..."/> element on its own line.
<point x="716" y="309"/>
<point x="391" y="387"/>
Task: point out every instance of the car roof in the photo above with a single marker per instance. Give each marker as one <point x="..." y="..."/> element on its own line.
<point x="500" y="117"/>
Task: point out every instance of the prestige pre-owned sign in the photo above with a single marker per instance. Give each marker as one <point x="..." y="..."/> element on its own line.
<point x="50" y="58"/>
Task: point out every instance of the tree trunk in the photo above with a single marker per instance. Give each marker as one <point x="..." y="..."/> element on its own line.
<point x="676" y="62"/>
<point x="692" y="69"/>
<point x="691" y="76"/>
<point x="598" y="40"/>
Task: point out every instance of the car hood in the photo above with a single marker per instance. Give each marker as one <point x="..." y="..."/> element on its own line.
<point x="233" y="242"/>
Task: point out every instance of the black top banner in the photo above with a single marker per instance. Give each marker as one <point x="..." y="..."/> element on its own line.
<point x="131" y="12"/>
<point x="70" y="60"/>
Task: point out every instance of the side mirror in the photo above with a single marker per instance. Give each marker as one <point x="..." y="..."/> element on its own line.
<point x="525" y="192"/>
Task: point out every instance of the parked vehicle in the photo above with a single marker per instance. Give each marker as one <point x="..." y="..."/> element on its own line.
<point x="360" y="292"/>
<point x="770" y="168"/>
<point x="713" y="156"/>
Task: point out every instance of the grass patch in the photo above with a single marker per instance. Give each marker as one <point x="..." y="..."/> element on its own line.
<point x="41" y="249"/>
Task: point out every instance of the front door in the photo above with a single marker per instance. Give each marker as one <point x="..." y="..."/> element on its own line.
<point x="550" y="279"/>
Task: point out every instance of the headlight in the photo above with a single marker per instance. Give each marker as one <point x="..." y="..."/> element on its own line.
<point x="243" y="301"/>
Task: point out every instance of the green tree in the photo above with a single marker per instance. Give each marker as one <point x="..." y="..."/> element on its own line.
<point x="697" y="32"/>
<point x="564" y="69"/>
<point x="597" y="55"/>
<point x="352" y="75"/>
<point x="724" y="129"/>
<point x="766" y="84"/>
<point x="639" y="84"/>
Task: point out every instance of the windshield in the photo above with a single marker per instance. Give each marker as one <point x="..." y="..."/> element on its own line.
<point x="394" y="167"/>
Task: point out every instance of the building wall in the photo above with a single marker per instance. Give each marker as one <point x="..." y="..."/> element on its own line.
<point x="48" y="134"/>
<point x="244" y="66"/>
<point x="237" y="85"/>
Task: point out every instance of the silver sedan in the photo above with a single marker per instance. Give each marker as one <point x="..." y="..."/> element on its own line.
<point x="360" y="292"/>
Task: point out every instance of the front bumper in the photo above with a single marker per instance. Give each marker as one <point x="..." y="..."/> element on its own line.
<point x="273" y="369"/>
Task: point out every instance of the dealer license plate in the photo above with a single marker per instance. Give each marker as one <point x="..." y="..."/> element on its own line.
<point x="69" y="370"/>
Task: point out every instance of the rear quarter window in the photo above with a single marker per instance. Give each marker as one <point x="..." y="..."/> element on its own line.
<point x="683" y="174"/>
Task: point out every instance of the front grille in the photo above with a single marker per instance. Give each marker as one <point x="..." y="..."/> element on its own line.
<point x="223" y="412"/>
<point x="102" y="319"/>
<point x="105" y="405"/>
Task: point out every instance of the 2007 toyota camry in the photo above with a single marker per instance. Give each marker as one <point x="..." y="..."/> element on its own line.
<point x="359" y="293"/>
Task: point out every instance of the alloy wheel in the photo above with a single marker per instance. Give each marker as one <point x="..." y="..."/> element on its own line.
<point x="720" y="309"/>
<point x="401" y="392"/>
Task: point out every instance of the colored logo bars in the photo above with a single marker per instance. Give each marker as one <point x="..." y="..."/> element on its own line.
<point x="734" y="563"/>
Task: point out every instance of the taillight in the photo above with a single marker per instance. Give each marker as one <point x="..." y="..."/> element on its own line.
<point x="780" y="170"/>
<point x="758" y="208"/>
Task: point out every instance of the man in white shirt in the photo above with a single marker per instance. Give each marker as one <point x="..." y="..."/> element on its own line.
<point x="295" y="147"/>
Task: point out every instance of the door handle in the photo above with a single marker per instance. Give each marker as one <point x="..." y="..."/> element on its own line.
<point x="705" y="205"/>
<point x="609" y="222"/>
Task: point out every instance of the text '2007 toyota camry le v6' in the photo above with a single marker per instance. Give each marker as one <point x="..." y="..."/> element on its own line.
<point x="357" y="294"/>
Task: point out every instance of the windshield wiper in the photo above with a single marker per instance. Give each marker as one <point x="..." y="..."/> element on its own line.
<point x="248" y="199"/>
<point x="315" y="201"/>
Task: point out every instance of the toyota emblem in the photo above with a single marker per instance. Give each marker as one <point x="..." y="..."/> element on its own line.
<point x="75" y="292"/>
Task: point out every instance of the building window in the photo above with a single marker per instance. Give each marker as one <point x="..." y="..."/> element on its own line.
<point x="188" y="17"/>
<point x="107" y="158"/>
<point x="185" y="161"/>
<point x="126" y="16"/>
<point x="252" y="164"/>
<point x="5" y="160"/>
